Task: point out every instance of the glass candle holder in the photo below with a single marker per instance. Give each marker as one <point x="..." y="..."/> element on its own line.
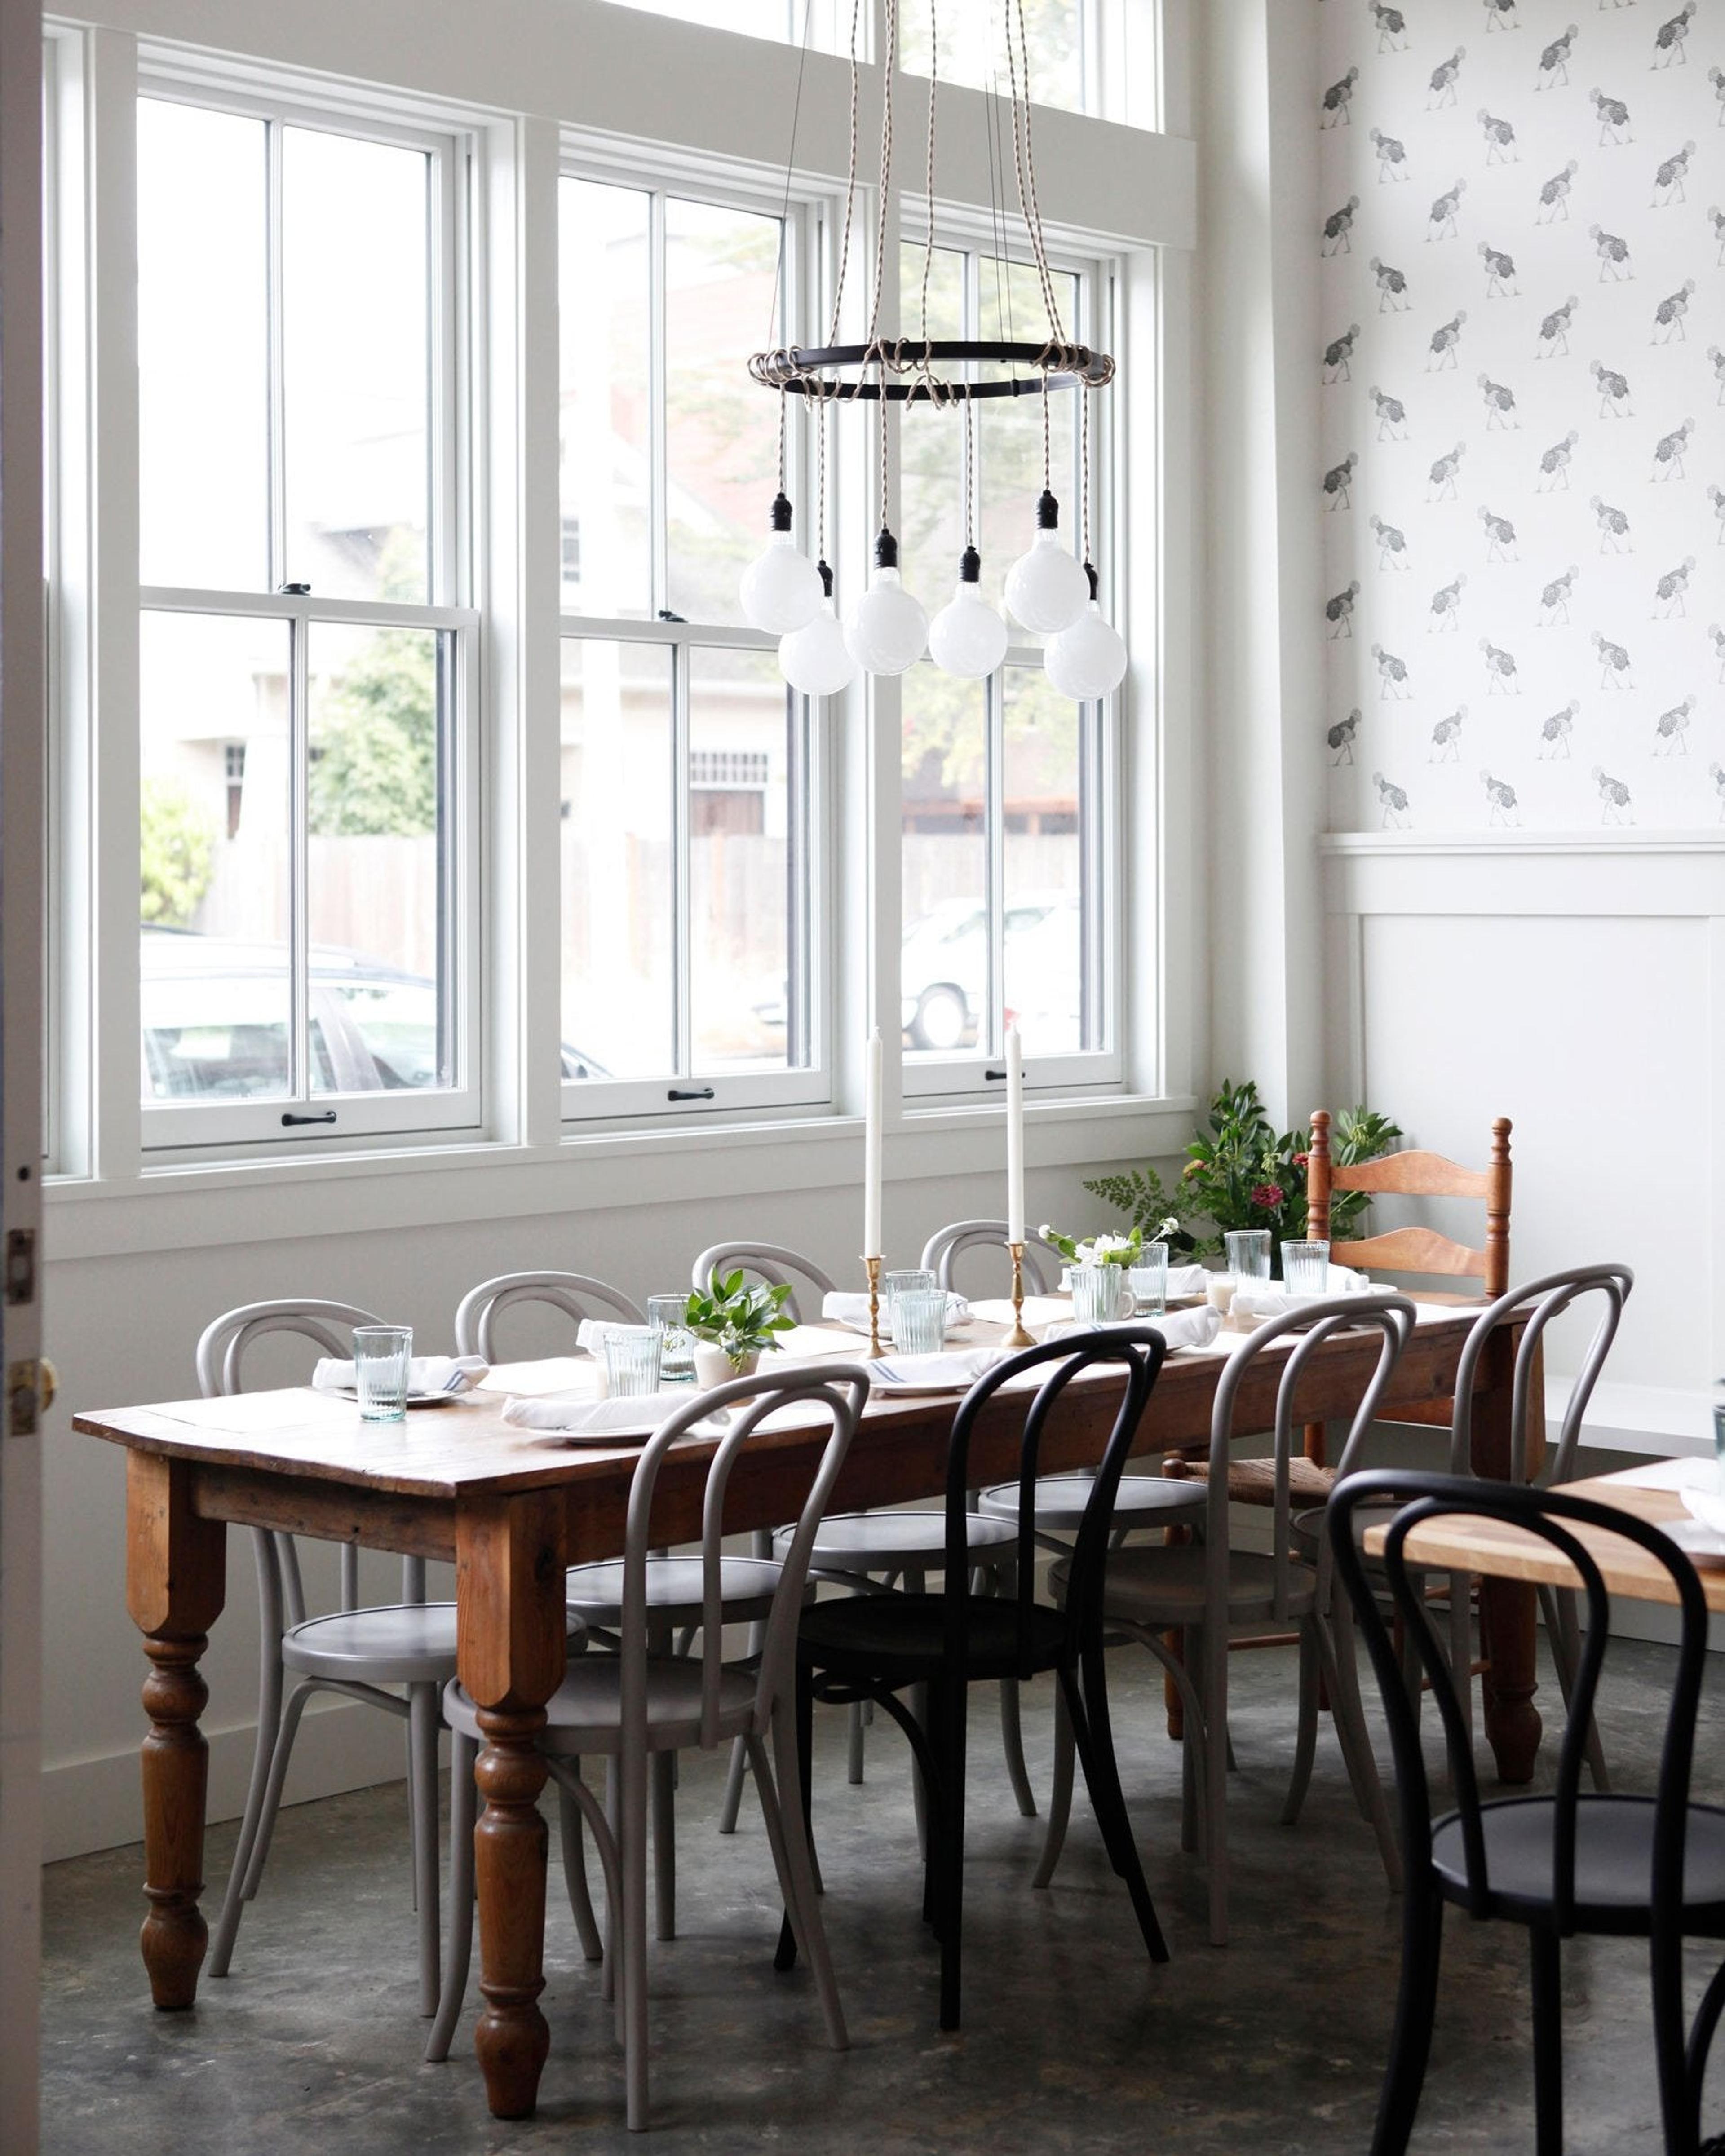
<point x="632" y="1353"/>
<point x="381" y="1356"/>
<point x="666" y="1314"/>
<point x="1305" y="1267"/>
<point x="919" y="1320"/>
<point x="1100" y="1295"/>
<point x="1248" y="1253"/>
<point x="1149" y="1281"/>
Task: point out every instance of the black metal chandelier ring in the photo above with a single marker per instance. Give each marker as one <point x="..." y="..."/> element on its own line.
<point x="809" y="371"/>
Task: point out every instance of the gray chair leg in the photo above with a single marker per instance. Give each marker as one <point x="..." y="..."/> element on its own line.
<point x="424" y="1722"/>
<point x="661" y="1768"/>
<point x="1306" y="1742"/>
<point x="593" y="1946"/>
<point x="1341" y="1677"/>
<point x="458" y="1933"/>
<point x="269" y="1731"/>
<point x="854" y="1760"/>
<point x="1059" y="1797"/>
<point x="734" y="1774"/>
<point x="801" y="1895"/>
<point x="296" y="1707"/>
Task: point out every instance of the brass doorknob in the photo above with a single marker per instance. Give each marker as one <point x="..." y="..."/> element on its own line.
<point x="47" y="1383"/>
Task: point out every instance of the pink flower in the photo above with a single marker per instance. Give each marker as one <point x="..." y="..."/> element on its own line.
<point x="1269" y="1195"/>
<point x="1300" y="1159"/>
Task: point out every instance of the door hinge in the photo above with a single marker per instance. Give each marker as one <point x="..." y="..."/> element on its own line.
<point x="20" y="1265"/>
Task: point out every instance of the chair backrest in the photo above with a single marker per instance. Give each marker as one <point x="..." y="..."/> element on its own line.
<point x="220" y="1359"/>
<point x="575" y="1294"/>
<point x="1140" y="1350"/>
<point x="947" y="1245"/>
<point x="1308" y="1327"/>
<point x="1414" y="1174"/>
<point x="768" y="1261"/>
<point x="1570" y="1525"/>
<point x="838" y="1391"/>
<point x="1533" y="1306"/>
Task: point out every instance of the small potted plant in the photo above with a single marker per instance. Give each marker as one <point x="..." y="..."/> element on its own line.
<point x="1122" y="1250"/>
<point x="735" y="1322"/>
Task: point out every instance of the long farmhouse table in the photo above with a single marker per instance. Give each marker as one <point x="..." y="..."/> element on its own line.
<point x="512" y="1509"/>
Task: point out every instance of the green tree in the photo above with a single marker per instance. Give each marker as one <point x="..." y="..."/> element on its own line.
<point x="374" y="742"/>
<point x="176" y="852"/>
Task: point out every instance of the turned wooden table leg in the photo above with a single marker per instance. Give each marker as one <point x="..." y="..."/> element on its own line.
<point x="176" y="1576"/>
<point x="509" y="1591"/>
<point x="1508" y="1610"/>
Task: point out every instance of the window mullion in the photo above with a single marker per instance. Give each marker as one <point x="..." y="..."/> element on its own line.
<point x="277" y="361"/>
<point x="299" y="859"/>
<point x="682" y="923"/>
<point x="658" y="372"/>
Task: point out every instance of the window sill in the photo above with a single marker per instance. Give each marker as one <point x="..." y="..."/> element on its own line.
<point x="234" y="1202"/>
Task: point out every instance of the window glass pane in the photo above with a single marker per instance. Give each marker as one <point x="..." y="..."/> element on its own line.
<point x="932" y="438"/>
<point x="741" y="860"/>
<point x="1009" y="428"/>
<point x="619" y="886"/>
<point x="972" y="49"/>
<point x="375" y="866"/>
<point x="204" y="357"/>
<point x="721" y="429"/>
<point x="604" y="271"/>
<point x="214" y="768"/>
<point x="1043" y="865"/>
<point x="944" y="864"/>
<point x="357" y="365"/>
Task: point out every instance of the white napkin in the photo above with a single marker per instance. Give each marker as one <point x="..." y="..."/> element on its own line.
<point x="426" y="1374"/>
<point x="852" y="1311"/>
<point x="929" y="1373"/>
<point x="1180" y="1328"/>
<point x="590" y="1333"/>
<point x="579" y="1414"/>
<point x="1267" y="1299"/>
<point x="1708" y="1506"/>
<point x="1187" y="1280"/>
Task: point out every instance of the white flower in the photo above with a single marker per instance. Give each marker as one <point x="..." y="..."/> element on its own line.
<point x="1166" y="1227"/>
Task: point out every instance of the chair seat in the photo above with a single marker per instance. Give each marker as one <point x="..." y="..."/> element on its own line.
<point x="900" y="1639"/>
<point x="395" y="1643"/>
<point x="1163" y="1588"/>
<point x="1253" y="1481"/>
<point x="1614" y="1861"/>
<point x="674" y="1589"/>
<point x="584" y="1714"/>
<point x="891" y="1542"/>
<point x="1146" y="1501"/>
<point x="1307" y="1530"/>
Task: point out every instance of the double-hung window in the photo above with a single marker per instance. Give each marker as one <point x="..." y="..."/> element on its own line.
<point x="690" y="868"/>
<point x="1008" y="866"/>
<point x="307" y="719"/>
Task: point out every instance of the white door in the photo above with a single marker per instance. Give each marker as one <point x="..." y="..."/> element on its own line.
<point x="21" y="913"/>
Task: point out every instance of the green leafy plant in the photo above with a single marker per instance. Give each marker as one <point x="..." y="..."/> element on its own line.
<point x="1096" y="1249"/>
<point x="739" y="1315"/>
<point x="1240" y="1171"/>
<point x="1153" y="1209"/>
<point x="176" y="853"/>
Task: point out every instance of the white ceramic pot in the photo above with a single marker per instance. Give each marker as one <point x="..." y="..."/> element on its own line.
<point x="714" y="1366"/>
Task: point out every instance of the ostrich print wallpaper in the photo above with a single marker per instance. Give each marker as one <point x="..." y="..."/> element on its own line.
<point x="1522" y="475"/>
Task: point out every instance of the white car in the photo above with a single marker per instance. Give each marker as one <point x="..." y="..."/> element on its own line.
<point x="945" y="969"/>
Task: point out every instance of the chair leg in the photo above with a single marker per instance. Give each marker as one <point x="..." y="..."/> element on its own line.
<point x="661" y="1770"/>
<point x="1341" y="1677"/>
<point x="1415" y="2010"/>
<point x="1059" y="1797"/>
<point x="1548" y="2043"/>
<point x="785" y="1826"/>
<point x="1306" y="1741"/>
<point x="1094" y="1736"/>
<point x="1562" y="1624"/>
<point x="947" y="1833"/>
<point x="786" y="1956"/>
<point x="1012" y="1742"/>
<point x="632" y="1851"/>
<point x="424" y="1722"/>
<point x="458" y="1933"/>
<point x="1461" y="1644"/>
<point x="919" y="1793"/>
<point x="269" y="1728"/>
<point x="1213" y="1688"/>
<point x="734" y="1773"/>
<point x="611" y="1977"/>
<point x="854" y="1757"/>
<point x="574" y="1856"/>
<point x="279" y="1759"/>
<point x="1682" y="2071"/>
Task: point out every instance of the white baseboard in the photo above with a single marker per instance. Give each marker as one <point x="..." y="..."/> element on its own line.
<point x="94" y="1803"/>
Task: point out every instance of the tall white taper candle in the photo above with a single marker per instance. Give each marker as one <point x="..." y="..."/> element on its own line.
<point x="1015" y="1137"/>
<point x="871" y="1151"/>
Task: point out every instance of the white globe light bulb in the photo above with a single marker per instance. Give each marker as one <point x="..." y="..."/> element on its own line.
<point x="815" y="658"/>
<point x="1088" y="660"/>
<point x="1045" y="588"/>
<point x="887" y="630"/>
<point x="967" y="637"/>
<point x="781" y="588"/>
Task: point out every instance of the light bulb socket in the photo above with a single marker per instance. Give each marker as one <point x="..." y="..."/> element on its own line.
<point x="779" y="517"/>
<point x="885" y="550"/>
<point x="1096" y="582"/>
<point x="970" y="567"/>
<point x="1048" y="512"/>
<point x="825" y="575"/>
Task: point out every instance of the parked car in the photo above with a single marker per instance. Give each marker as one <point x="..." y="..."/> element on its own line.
<point x="214" y="1021"/>
<point x="945" y="968"/>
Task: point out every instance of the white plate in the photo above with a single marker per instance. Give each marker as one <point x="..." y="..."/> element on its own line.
<point x="1703" y="1545"/>
<point x="414" y="1400"/>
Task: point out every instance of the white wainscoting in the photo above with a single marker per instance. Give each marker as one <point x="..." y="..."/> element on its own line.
<point x="1577" y="985"/>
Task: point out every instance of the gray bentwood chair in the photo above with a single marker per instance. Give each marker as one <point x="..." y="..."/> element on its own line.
<point x="636" y="1706"/>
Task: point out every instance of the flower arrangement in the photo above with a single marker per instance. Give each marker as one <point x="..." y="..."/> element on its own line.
<point x="740" y="1318"/>
<point x="1097" y="1250"/>
<point x="1241" y="1173"/>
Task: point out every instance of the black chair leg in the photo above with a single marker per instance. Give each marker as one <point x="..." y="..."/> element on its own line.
<point x="1415" y="2010"/>
<point x="1682" y="2070"/>
<point x="786" y="1956"/>
<point x="1094" y="1736"/>
<point x="1548" y="2043"/>
<point x="948" y="1709"/>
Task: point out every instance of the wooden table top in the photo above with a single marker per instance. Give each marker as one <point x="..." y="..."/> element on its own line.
<point x="1461" y="1543"/>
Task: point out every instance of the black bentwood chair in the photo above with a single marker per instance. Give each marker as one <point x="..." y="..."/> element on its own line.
<point x="876" y="1646"/>
<point x="1637" y="1867"/>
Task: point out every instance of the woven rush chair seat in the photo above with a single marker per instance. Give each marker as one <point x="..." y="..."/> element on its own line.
<point x="1253" y="1481"/>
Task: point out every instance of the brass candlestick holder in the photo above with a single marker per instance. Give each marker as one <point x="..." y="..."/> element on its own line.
<point x="875" y="1349"/>
<point x="1018" y="1337"/>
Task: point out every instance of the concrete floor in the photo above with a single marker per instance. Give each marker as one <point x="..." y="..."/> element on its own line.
<point x="1072" y="2040"/>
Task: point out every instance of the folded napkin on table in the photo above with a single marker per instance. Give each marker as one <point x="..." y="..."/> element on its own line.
<point x="931" y="1372"/>
<point x="579" y="1414"/>
<point x="845" y="1308"/>
<point x="590" y="1333"/>
<point x="1270" y="1299"/>
<point x="1708" y="1506"/>
<point x="1187" y="1280"/>
<point x="1180" y="1328"/>
<point x="426" y="1374"/>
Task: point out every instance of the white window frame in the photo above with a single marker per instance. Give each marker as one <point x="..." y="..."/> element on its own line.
<point x="691" y="1091"/>
<point x="316" y="1118"/>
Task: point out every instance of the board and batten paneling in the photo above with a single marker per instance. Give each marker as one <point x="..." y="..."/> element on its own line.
<point x="1521" y="476"/>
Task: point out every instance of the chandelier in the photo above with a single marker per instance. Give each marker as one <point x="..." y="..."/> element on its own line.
<point x="1049" y="590"/>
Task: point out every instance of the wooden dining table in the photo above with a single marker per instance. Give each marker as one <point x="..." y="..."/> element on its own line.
<point x="512" y="1508"/>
